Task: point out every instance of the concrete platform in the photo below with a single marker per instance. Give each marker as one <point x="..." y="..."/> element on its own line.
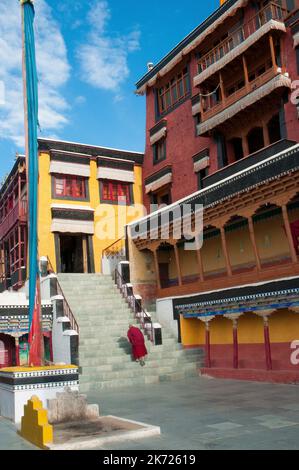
<point x="96" y="433"/>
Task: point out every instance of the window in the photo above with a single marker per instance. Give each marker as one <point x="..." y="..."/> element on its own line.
<point x="162" y="197"/>
<point x="174" y="91"/>
<point x="116" y="192"/>
<point x="69" y="186"/>
<point x="159" y="151"/>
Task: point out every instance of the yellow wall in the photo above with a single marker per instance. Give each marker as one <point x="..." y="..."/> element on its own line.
<point x="192" y="332"/>
<point x="189" y="262"/>
<point x="212" y="255"/>
<point x="45" y="236"/>
<point x="240" y="247"/>
<point x="127" y="214"/>
<point x="284" y="328"/>
<point x="271" y="238"/>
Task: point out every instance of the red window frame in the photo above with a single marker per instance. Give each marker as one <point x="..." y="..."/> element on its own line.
<point x="116" y="192"/>
<point x="70" y="186"/>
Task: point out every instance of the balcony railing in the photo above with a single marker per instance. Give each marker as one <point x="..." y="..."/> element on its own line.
<point x="271" y="12"/>
<point x="17" y="213"/>
<point x="211" y="107"/>
<point x="116" y="249"/>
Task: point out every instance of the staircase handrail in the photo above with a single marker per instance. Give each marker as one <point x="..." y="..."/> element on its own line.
<point x="109" y="251"/>
<point x="66" y="307"/>
<point x="140" y="313"/>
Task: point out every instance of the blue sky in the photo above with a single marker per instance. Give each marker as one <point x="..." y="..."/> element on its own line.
<point x="90" y="54"/>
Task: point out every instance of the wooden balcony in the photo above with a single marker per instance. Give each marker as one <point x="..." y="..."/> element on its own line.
<point x="282" y="268"/>
<point x="18" y="213"/>
<point x="215" y="113"/>
<point x="271" y="13"/>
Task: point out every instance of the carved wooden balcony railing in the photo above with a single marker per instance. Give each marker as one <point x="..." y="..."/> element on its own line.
<point x="211" y="107"/>
<point x="271" y="12"/>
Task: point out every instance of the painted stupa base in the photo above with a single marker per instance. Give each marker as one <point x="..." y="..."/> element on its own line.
<point x="19" y="384"/>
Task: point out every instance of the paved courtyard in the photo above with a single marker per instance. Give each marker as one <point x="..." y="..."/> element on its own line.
<point x="200" y="414"/>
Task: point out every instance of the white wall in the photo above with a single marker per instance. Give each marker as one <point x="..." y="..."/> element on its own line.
<point x="165" y="315"/>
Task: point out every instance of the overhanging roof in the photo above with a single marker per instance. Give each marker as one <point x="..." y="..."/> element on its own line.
<point x="94" y="151"/>
<point x="276" y="294"/>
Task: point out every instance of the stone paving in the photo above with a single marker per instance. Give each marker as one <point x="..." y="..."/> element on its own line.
<point x="207" y="414"/>
<point x="200" y="414"/>
<point x="9" y="439"/>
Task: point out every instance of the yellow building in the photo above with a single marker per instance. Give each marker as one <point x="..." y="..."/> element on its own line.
<point x="87" y="194"/>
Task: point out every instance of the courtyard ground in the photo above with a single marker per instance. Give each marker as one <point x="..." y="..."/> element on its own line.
<point x="200" y="414"/>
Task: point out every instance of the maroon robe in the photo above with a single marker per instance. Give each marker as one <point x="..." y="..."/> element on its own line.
<point x="137" y="341"/>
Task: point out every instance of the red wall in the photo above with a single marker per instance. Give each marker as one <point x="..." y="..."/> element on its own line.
<point x="182" y="144"/>
<point x="291" y="118"/>
<point x="252" y="356"/>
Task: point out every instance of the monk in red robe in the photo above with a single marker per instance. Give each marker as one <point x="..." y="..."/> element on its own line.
<point x="137" y="341"/>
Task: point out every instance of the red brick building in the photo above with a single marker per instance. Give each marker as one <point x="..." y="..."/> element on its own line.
<point x="235" y="51"/>
<point x="223" y="132"/>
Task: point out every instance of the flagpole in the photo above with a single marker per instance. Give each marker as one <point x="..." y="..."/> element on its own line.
<point x="35" y="338"/>
<point x="25" y="98"/>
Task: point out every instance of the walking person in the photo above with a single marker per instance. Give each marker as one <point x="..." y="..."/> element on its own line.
<point x="137" y="341"/>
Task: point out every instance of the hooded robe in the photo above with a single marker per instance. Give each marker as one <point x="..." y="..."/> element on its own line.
<point x="137" y="341"/>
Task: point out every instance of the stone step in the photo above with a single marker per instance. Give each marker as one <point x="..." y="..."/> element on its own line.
<point x="97" y="339"/>
<point x="126" y="383"/>
<point x="175" y="363"/>
<point x="88" y="282"/>
<point x="99" y="323"/>
<point x="105" y="354"/>
<point x="121" y="383"/>
<point x="130" y="374"/>
<point x="91" y="290"/>
<point x="124" y="357"/>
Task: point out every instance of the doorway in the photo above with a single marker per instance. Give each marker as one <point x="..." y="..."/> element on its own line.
<point x="164" y="275"/>
<point x="6" y="351"/>
<point x="74" y="253"/>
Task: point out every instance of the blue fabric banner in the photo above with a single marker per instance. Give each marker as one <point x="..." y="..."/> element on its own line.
<point x="32" y="163"/>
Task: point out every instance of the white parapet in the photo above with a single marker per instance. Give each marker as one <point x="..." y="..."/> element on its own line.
<point x="18" y="385"/>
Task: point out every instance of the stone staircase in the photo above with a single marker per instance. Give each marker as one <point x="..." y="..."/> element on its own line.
<point x="104" y="352"/>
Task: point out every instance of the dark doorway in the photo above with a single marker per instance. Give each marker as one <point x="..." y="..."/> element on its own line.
<point x="237" y="148"/>
<point x="274" y="129"/>
<point x="255" y="140"/>
<point x="71" y="254"/>
<point x="164" y="274"/>
<point x="6" y="351"/>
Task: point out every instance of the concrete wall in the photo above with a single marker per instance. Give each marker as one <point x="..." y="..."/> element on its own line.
<point x="165" y="315"/>
<point x="142" y="271"/>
